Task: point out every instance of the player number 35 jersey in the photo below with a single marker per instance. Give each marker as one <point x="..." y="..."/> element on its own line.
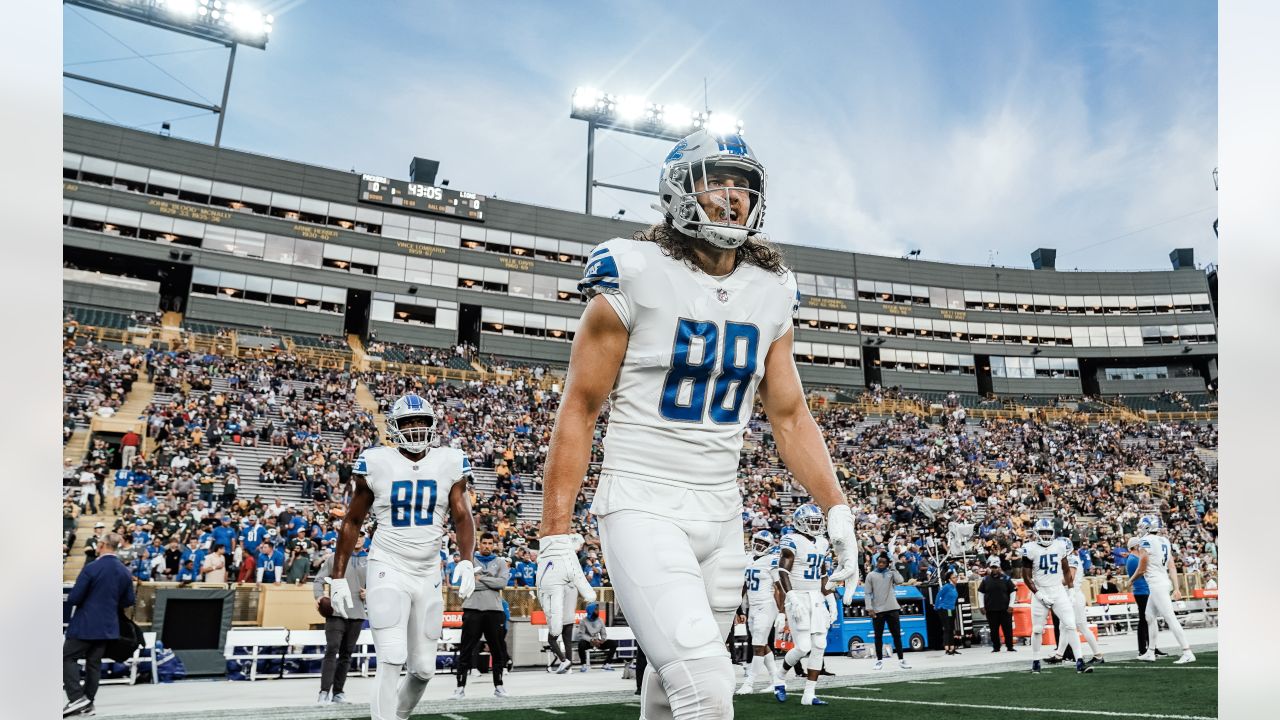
<point x="410" y="503"/>
<point x="695" y="356"/>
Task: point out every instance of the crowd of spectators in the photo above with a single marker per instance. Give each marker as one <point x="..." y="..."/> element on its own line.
<point x="939" y="493"/>
<point x="95" y="381"/>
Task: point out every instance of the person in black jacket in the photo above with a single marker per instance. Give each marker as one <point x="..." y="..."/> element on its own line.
<point x="103" y="589"/>
<point x="996" y="588"/>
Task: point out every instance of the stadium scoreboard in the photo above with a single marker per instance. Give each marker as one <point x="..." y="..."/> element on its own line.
<point x="421" y="197"/>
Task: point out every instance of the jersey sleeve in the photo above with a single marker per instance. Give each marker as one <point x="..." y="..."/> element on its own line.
<point x="362" y="464"/>
<point x="605" y="275"/>
<point x="464" y="465"/>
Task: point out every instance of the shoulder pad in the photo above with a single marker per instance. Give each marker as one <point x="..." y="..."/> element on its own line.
<point x="601" y="273"/>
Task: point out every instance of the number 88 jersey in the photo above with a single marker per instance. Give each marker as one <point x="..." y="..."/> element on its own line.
<point x="410" y="503"/>
<point x="1047" y="562"/>
<point x="695" y="355"/>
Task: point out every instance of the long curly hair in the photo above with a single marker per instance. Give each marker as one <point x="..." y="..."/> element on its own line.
<point x="678" y="246"/>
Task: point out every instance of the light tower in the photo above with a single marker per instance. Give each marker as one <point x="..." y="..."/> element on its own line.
<point x="224" y="23"/>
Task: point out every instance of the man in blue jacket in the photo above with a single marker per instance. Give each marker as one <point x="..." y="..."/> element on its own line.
<point x="102" y="590"/>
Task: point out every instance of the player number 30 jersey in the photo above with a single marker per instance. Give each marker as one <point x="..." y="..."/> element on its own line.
<point x="810" y="561"/>
<point x="410" y="503"/>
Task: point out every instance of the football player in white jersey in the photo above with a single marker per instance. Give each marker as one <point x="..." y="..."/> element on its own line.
<point x="800" y="573"/>
<point x="764" y="612"/>
<point x="413" y="490"/>
<point x="1156" y="566"/>
<point x="1047" y="575"/>
<point x="1076" y="593"/>
<point x="685" y="324"/>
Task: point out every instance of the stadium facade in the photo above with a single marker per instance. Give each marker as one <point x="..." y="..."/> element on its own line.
<point x="239" y="239"/>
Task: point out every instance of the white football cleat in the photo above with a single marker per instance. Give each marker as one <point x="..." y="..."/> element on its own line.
<point x="878" y="666"/>
<point x="1187" y="657"/>
<point x="903" y="664"/>
<point x="500" y="691"/>
<point x="459" y="693"/>
<point x="745" y="689"/>
<point x="1147" y="656"/>
<point x="564" y="666"/>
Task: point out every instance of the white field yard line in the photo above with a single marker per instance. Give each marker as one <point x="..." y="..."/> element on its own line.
<point x="1057" y="711"/>
<point x="924" y="682"/>
<point x="551" y="711"/>
<point x="1144" y="666"/>
<point x="451" y="716"/>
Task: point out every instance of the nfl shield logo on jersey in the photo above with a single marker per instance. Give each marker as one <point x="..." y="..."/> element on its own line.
<point x="722" y="295"/>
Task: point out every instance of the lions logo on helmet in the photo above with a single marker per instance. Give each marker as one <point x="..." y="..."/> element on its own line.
<point x="1043" y="530"/>
<point x="762" y="542"/>
<point x="417" y="437"/>
<point x="1148" y="525"/>
<point x="691" y="161"/>
<point x="808" y="519"/>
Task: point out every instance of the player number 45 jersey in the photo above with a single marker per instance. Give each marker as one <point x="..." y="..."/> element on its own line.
<point x="695" y="355"/>
<point x="410" y="503"/>
<point x="1047" y="562"/>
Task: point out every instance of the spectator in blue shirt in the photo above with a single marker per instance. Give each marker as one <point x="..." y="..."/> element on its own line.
<point x="252" y="535"/>
<point x="141" y="537"/>
<point x="123" y="478"/>
<point x="270" y="563"/>
<point x="224" y="534"/>
<point x="945" y="605"/>
<point x="296" y="525"/>
<point x="193" y="553"/>
<point x="1086" y="562"/>
<point x="188" y="572"/>
<point x="528" y="572"/>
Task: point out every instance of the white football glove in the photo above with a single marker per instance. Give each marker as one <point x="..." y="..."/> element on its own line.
<point x="797" y="605"/>
<point x="780" y="623"/>
<point x="845" y="544"/>
<point x="464" y="574"/>
<point x="558" y="566"/>
<point x="339" y="596"/>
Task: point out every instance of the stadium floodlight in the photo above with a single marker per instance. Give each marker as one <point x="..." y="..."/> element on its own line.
<point x="676" y="117"/>
<point x="631" y="108"/>
<point x="227" y="23"/>
<point x="183" y="8"/>
<point x="636" y="115"/>
<point x="723" y="124"/>
<point x="585" y="98"/>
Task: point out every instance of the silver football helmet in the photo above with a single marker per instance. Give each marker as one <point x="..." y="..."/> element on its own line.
<point x="696" y="158"/>
<point x="414" y="439"/>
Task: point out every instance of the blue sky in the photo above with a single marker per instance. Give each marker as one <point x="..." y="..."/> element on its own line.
<point x="961" y="129"/>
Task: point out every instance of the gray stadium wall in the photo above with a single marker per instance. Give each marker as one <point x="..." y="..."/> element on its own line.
<point x="232" y="166"/>
<point x="232" y="312"/>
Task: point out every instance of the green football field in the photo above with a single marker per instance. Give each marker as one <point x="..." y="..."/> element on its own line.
<point x="1121" y="690"/>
